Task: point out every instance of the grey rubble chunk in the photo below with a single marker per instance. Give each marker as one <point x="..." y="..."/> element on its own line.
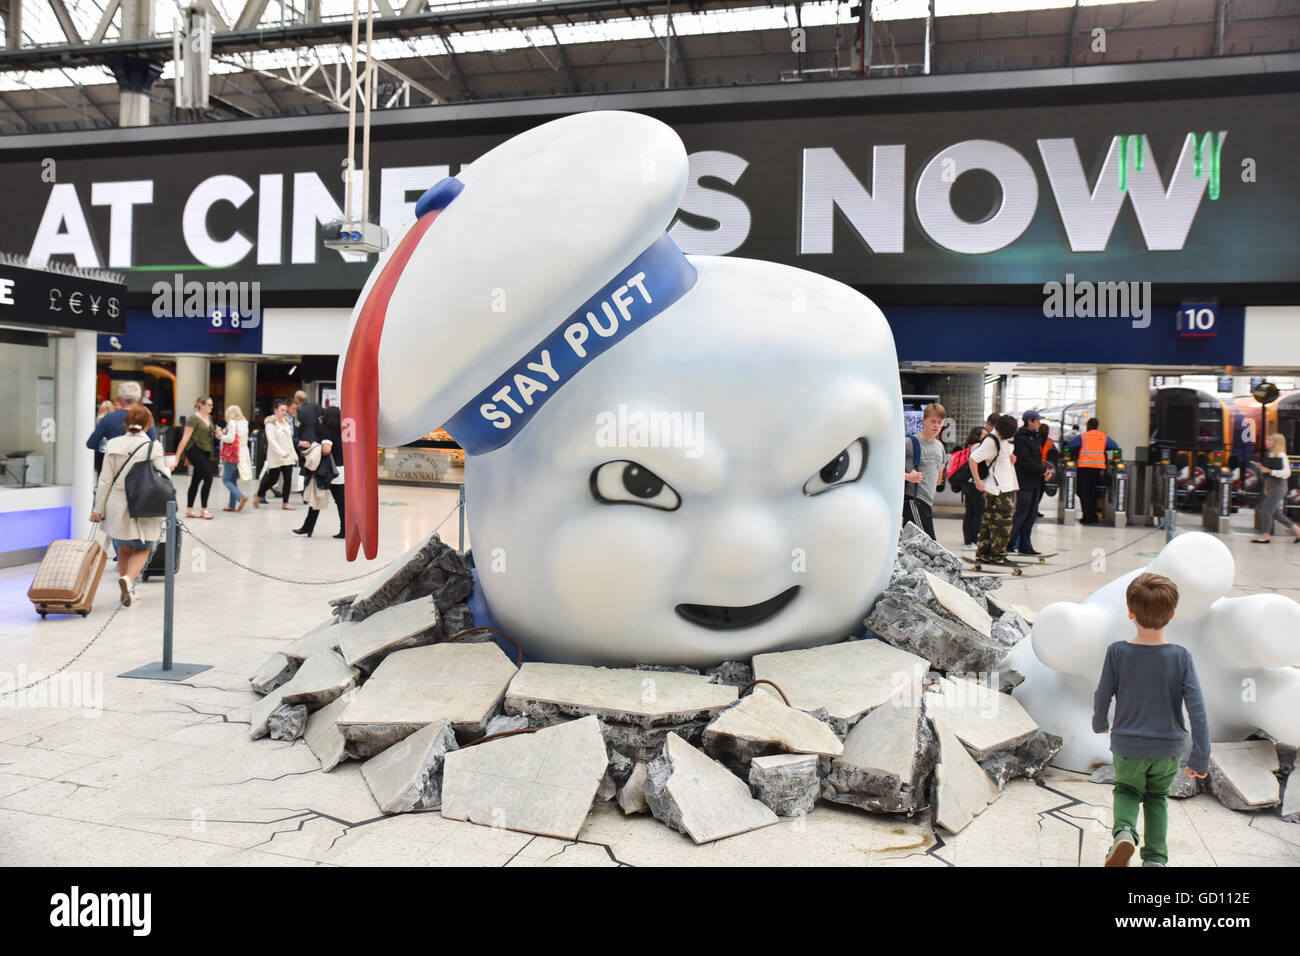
<point x="631" y="796"/>
<point x="847" y="679"/>
<point x="761" y="724"/>
<point x="458" y="618"/>
<point x="986" y="721"/>
<point x="962" y="790"/>
<point x="945" y="642"/>
<point x="322" y="637"/>
<point x="275" y="672"/>
<point x="887" y="761"/>
<point x="1291" y="798"/>
<point x="608" y="788"/>
<point x="462" y="683"/>
<point x="1023" y="761"/>
<point x="323" y="737"/>
<point x="287" y="722"/>
<point x="408" y="775"/>
<point x="700" y="797"/>
<point x="735" y="673"/>
<point x="1242" y="775"/>
<point x="503" y="723"/>
<point x="620" y="766"/>
<point x="1009" y="680"/>
<point x="394" y="628"/>
<point x="543" y="783"/>
<point x="386" y="588"/>
<point x="1105" y="774"/>
<point x="637" y="708"/>
<point x="1010" y="629"/>
<point x="786" y="784"/>
<point x="322" y="678"/>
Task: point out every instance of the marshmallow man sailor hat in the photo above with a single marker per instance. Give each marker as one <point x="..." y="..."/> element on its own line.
<point x="544" y="253"/>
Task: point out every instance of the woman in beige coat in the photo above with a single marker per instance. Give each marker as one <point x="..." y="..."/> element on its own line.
<point x="134" y="537"/>
<point x="280" y="456"/>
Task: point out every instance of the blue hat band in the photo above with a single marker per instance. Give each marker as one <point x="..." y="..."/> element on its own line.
<point x="652" y="282"/>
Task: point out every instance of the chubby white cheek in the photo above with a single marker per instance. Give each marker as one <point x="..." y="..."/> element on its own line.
<point x="847" y="537"/>
<point x="614" y="564"/>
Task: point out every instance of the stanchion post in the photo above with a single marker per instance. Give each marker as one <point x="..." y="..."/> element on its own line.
<point x="166" y="669"/>
<point x="460" y="511"/>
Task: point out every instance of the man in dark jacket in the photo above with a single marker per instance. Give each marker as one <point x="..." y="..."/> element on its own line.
<point x="1030" y="469"/>
<point x="114" y="423"/>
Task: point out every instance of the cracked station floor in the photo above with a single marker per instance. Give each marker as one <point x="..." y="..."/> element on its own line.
<point x="164" y="773"/>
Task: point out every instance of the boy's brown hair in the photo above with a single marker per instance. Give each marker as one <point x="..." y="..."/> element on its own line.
<point x="1152" y="598"/>
<point x="935" y="410"/>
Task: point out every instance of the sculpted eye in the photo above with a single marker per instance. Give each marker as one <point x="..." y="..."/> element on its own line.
<point x="845" y="467"/>
<point x="626" y="482"/>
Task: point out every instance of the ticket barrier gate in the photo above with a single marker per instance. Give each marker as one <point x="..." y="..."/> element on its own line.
<point x="1068" y="488"/>
<point x="1115" y="501"/>
<point x="1217" y="508"/>
<point x="1162" y="487"/>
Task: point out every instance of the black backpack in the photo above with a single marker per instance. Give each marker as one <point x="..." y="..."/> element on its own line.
<point x="147" y="489"/>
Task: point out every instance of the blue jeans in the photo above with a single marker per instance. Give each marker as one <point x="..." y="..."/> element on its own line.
<point x="230" y="478"/>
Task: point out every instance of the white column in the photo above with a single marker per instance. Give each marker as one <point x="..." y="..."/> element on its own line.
<point x="66" y="439"/>
<point x="239" y="385"/>
<point x="193" y="378"/>
<point x="82" y="422"/>
<point x="1124" y="407"/>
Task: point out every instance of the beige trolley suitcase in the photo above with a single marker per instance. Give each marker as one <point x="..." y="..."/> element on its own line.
<point x="68" y="577"/>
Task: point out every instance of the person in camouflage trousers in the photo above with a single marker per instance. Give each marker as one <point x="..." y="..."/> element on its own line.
<point x="998" y="485"/>
<point x="995" y="531"/>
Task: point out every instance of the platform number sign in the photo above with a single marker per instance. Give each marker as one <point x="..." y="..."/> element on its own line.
<point x="1198" y="320"/>
<point x="225" y="320"/>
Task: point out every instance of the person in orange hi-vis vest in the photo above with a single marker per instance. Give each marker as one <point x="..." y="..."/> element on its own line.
<point x="1089" y="451"/>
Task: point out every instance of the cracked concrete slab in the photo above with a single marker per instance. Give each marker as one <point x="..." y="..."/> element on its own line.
<point x="462" y="683"/>
<point x="408" y="775"/>
<point x="322" y="678"/>
<point x="1242" y="775"/>
<point x="887" y="760"/>
<point x="848" y="679"/>
<point x="322" y="637"/>
<point x="787" y="784"/>
<point x="700" y="797"/>
<point x="985" y="720"/>
<point x="762" y="724"/>
<point x="1000" y="605"/>
<point x="543" y="783"/>
<point x="275" y="672"/>
<point x="323" y="736"/>
<point x="392" y="629"/>
<point x="962" y="791"/>
<point x="1291" y="798"/>
<point x="959" y="604"/>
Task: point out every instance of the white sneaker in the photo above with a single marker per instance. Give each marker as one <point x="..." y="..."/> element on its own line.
<point x="969" y="547"/>
<point x="128" y="593"/>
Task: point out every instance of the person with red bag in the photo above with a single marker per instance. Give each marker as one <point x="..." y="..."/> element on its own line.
<point x="235" y="466"/>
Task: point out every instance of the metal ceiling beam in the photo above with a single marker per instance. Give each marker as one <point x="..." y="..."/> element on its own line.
<point x="66" y="23"/>
<point x="105" y="22"/>
<point x="564" y="58"/>
<point x="251" y="15"/>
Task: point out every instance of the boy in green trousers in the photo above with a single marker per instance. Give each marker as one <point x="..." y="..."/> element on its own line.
<point x="1150" y="680"/>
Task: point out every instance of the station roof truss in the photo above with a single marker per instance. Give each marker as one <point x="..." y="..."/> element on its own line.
<point x="291" y="57"/>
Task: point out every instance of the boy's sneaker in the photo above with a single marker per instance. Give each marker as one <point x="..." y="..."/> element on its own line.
<point x="969" y="548"/>
<point x="1151" y="863"/>
<point x="1122" y="849"/>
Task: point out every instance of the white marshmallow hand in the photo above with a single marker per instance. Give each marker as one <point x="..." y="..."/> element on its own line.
<point x="1246" y="651"/>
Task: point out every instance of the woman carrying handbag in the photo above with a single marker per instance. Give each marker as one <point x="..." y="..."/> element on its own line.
<point x="133" y="532"/>
<point x="235" y="466"/>
<point x="199" y="434"/>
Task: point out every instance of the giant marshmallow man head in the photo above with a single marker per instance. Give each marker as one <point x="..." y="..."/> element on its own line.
<point x="669" y="459"/>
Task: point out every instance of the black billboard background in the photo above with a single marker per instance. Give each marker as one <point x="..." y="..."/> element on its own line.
<point x="1247" y="236"/>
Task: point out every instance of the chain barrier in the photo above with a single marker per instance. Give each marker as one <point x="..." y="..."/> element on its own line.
<point x="1106" y="554"/>
<point x="284" y="580"/>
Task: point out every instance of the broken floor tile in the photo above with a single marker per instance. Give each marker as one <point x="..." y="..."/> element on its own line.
<point x="700" y="797"/>
<point x="999" y="606"/>
<point x="543" y="783"/>
<point x="386" y="587"/>
<point x="637" y="708"/>
<point x="393" y="628"/>
<point x="1024" y="760"/>
<point x="959" y="604"/>
<point x="322" y="734"/>
<point x="848" y="679"/>
<point x="276" y="671"/>
<point x="322" y="678"/>
<point x="322" y="637"/>
<point x="961" y="789"/>
<point x="1241" y="775"/>
<point x="408" y="775"/>
<point x="462" y="683"/>
<point x="887" y="761"/>
<point x="760" y="724"/>
<point x="985" y="720"/>
<point x="947" y="643"/>
<point x="787" y="784"/>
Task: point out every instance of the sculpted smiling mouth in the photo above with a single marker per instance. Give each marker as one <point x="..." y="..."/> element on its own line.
<point x="721" y="618"/>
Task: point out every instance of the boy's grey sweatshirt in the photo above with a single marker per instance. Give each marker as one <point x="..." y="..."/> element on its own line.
<point x="1150" y="684"/>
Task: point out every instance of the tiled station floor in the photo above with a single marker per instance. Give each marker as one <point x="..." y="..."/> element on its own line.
<point x="164" y="773"/>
